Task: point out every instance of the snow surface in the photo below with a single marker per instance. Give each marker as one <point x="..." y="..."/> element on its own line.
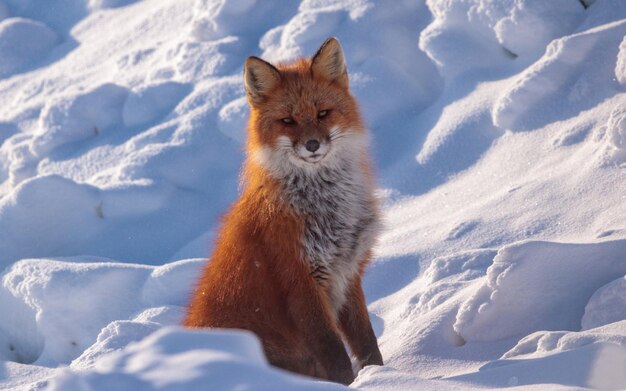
<point x="499" y="134"/>
<point x="22" y="42"/>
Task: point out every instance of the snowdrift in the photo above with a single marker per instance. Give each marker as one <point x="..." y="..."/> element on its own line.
<point x="499" y="135"/>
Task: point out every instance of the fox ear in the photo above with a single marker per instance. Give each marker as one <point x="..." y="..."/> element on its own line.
<point x="330" y="63"/>
<point x="260" y="77"/>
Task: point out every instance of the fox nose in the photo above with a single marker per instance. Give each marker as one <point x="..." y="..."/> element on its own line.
<point x="312" y="145"/>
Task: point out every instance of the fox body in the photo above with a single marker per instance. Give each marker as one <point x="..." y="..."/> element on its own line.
<point x="290" y="255"/>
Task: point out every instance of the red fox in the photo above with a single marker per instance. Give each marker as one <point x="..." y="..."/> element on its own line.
<point x="289" y="258"/>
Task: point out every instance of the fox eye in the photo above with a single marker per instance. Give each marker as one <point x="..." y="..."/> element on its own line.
<point x="322" y="114"/>
<point x="288" y="121"/>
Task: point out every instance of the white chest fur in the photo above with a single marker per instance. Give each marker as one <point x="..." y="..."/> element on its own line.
<point x="340" y="223"/>
<point x="334" y="201"/>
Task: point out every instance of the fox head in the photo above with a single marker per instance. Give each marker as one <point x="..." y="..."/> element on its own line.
<point x="302" y="113"/>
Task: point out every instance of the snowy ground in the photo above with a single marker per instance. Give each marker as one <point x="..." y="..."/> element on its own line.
<point x="499" y="133"/>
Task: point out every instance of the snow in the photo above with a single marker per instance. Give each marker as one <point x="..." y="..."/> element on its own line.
<point x="566" y="73"/>
<point x="598" y="366"/>
<point x="54" y="296"/>
<point x="78" y="117"/>
<point x="606" y="306"/>
<point x="166" y="359"/>
<point x="149" y="102"/>
<point x="23" y="42"/>
<point x="4" y="11"/>
<point x="620" y="66"/>
<point x="497" y="311"/>
<point x="616" y="137"/>
<point x="499" y="137"/>
<point x="530" y="26"/>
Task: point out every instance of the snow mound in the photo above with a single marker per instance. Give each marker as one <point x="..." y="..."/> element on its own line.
<point x="175" y="358"/>
<point x="416" y="320"/>
<point x="78" y="117"/>
<point x="152" y="101"/>
<point x="461" y="36"/>
<point x="52" y="215"/>
<point x="607" y="305"/>
<point x="543" y="343"/>
<point x="59" y="304"/>
<point x="531" y="25"/>
<point x="594" y="358"/>
<point x="596" y="366"/>
<point x="527" y="284"/>
<point x="23" y="42"/>
<point x="218" y="19"/>
<point x="47" y="213"/>
<point x="481" y="34"/>
<point x="61" y="308"/>
<point x="114" y="337"/>
<point x="573" y="70"/>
